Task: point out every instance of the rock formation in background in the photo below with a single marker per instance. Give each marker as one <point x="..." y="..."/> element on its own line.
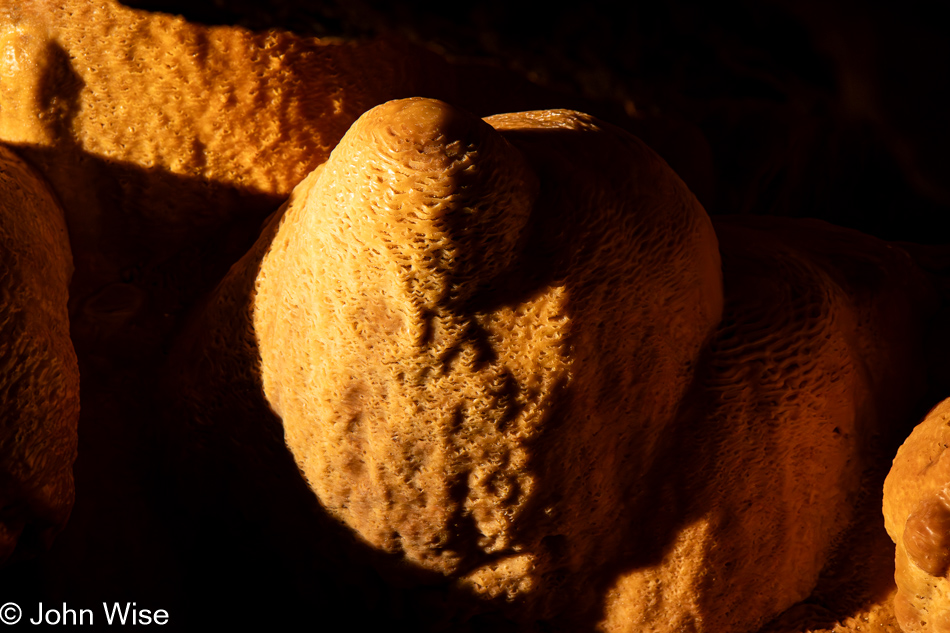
<point x="39" y="377"/>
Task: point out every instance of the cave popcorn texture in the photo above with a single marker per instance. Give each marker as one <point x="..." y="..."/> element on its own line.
<point x="432" y="320"/>
<point x="503" y="350"/>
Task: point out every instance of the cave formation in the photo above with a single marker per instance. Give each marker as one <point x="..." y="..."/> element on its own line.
<point x="169" y="145"/>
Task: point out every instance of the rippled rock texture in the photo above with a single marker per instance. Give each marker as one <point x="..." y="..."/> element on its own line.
<point x="512" y="353"/>
<point x="535" y="385"/>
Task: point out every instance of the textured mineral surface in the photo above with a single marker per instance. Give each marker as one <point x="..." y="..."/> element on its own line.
<point x="39" y="377"/>
<point x="531" y="384"/>
<point x="498" y="349"/>
<point x="917" y="516"/>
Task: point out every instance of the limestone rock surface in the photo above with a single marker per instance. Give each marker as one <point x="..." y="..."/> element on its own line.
<point x="475" y="423"/>
<point x="39" y="375"/>
<point x="917" y="516"/>
<point x="424" y="314"/>
<point x="504" y="351"/>
<point x="156" y="132"/>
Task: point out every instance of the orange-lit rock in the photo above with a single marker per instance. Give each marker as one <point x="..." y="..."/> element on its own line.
<point x="505" y="352"/>
<point x="917" y="516"/>
<point x="39" y="377"/>
<point x="156" y="132"/>
<point x="454" y="329"/>
<point x="717" y="509"/>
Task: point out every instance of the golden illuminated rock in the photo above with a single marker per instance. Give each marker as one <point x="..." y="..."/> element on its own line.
<point x="39" y="376"/>
<point x="163" y="127"/>
<point x="424" y="326"/>
<point x="917" y="516"/>
<point x="501" y="350"/>
<point x="512" y="352"/>
<point x="155" y="131"/>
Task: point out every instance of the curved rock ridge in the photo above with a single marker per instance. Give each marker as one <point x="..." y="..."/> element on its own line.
<point x="39" y="375"/>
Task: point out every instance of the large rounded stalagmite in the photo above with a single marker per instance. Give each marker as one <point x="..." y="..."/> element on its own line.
<point x="475" y="370"/>
<point x="507" y="354"/>
<point x="39" y="376"/>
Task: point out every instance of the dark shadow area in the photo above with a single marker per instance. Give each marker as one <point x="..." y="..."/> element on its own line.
<point x="134" y="281"/>
<point x="806" y="109"/>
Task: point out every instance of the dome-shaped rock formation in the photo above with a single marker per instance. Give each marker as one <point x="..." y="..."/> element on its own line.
<point x="505" y="352"/>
